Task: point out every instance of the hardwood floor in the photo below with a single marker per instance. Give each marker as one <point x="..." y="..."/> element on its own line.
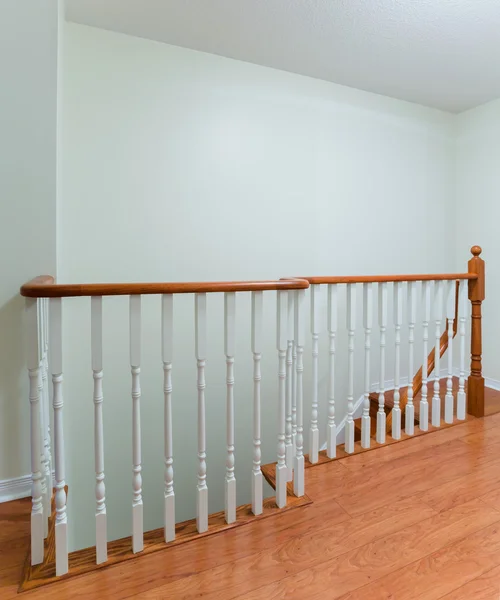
<point x="417" y="519"/>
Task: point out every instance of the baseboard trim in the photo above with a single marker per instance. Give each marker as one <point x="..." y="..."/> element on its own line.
<point x="493" y="384"/>
<point x="13" y="489"/>
<point x="18" y="487"/>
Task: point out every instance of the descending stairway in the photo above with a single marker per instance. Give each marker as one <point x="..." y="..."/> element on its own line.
<point x="389" y="403"/>
<point x="417" y="388"/>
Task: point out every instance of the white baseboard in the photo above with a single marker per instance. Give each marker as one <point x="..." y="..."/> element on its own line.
<point x="18" y="487"/>
<point x="494" y="384"/>
<point x="12" y="489"/>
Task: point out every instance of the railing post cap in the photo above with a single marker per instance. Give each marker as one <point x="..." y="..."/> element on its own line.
<point x="476" y="250"/>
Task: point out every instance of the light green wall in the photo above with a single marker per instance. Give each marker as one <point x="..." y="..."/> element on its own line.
<point x="28" y="63"/>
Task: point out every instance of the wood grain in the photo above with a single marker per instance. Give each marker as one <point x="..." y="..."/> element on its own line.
<point x="475" y="396"/>
<point x="492" y="498"/>
<point x="465" y="488"/>
<point x="341" y="542"/>
<point x="427" y="473"/>
<point x="84" y="561"/>
<point x="376" y="559"/>
<point x="295" y="555"/>
<point x="484" y="587"/>
<point x="442" y="571"/>
<point x="390" y="278"/>
<point x="44" y="287"/>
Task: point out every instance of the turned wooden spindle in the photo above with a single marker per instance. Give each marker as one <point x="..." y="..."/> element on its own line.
<point x="475" y="384"/>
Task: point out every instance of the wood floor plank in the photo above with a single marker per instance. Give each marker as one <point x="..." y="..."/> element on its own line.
<point x="299" y="553"/>
<point x="439" y="573"/>
<point x="482" y="480"/>
<point x="354" y="569"/>
<point x="485" y="587"/>
<point x="176" y="563"/>
<point x="483" y="437"/>
<point x="415" y="480"/>
<point x="387" y="454"/>
<point x="14" y="543"/>
<point x="119" y="551"/>
<point x="492" y="497"/>
<point x="356" y="482"/>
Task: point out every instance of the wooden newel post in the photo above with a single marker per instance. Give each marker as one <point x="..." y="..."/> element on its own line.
<point x="475" y="385"/>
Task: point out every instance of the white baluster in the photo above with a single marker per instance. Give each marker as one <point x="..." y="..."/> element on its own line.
<point x="256" y="350"/>
<point x="438" y="314"/>
<point x="289" y="389"/>
<point x="100" y="491"/>
<point x="398" y="321"/>
<point x="314" y="431"/>
<point x="32" y="351"/>
<point x="46" y="407"/>
<point x="43" y="481"/>
<point x="424" y="405"/>
<point x="367" y="324"/>
<point x="55" y="309"/>
<point x="294" y="396"/>
<point x="351" y="325"/>
<point x="230" y="483"/>
<point x="135" y="362"/>
<point x="200" y="345"/>
<point x="294" y="390"/>
<point x="382" y="321"/>
<point x="450" y="315"/>
<point x="298" y="466"/>
<point x="48" y="456"/>
<point x="463" y="303"/>
<point x="281" y="345"/>
<point x="43" y="421"/>
<point x="331" y="428"/>
<point x="167" y="332"/>
<point x="412" y="318"/>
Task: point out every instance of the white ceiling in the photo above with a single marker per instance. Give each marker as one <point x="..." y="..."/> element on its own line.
<point x="441" y="53"/>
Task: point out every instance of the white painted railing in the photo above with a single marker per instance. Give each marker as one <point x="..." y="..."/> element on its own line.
<point x="411" y="296"/>
<point x="44" y="315"/>
<point x="415" y="299"/>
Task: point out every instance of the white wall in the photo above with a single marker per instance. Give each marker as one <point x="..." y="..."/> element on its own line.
<point x="28" y="99"/>
<point x="186" y="166"/>
<point x="478" y="209"/>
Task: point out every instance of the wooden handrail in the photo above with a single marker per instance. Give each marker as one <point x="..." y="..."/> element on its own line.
<point x="44" y="286"/>
<point x="389" y="278"/>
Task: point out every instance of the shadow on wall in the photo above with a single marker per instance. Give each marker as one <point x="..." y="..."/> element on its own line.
<point x="14" y="403"/>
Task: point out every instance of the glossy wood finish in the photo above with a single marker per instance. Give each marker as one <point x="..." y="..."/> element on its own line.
<point x="415" y="519"/>
<point x="44" y="287"/>
<point x="475" y="399"/>
<point x="84" y="561"/>
<point x="389" y="278"/>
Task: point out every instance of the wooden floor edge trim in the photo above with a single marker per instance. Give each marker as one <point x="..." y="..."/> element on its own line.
<point x="119" y="551"/>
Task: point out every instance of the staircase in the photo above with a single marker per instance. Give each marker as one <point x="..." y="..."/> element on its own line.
<point x="389" y="404"/>
<point x="448" y="295"/>
<point x="418" y="382"/>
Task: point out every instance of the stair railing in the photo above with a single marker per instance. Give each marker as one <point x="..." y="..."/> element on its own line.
<point x="411" y="391"/>
<point x="443" y="298"/>
<point x="44" y="305"/>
